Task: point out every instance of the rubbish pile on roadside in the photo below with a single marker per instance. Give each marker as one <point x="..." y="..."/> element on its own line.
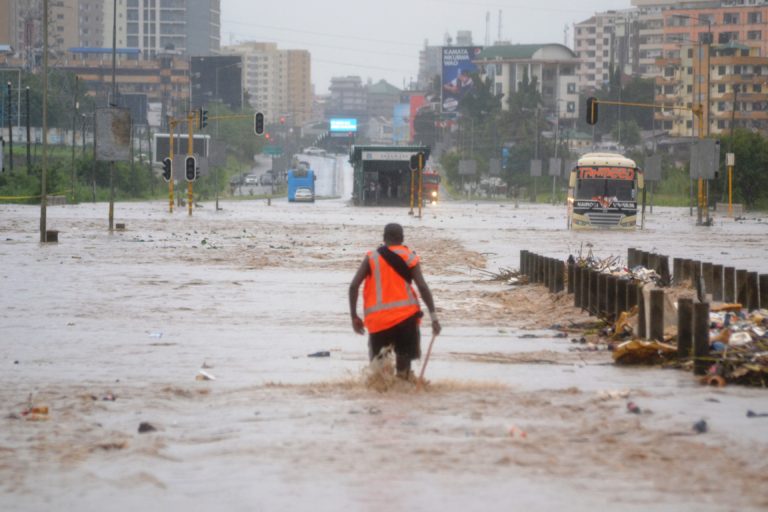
<point x="722" y="339"/>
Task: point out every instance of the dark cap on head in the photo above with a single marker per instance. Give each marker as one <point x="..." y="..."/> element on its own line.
<point x="393" y="234"/>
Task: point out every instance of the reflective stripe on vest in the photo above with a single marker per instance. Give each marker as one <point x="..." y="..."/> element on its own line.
<point x="376" y="262"/>
<point x="388" y="298"/>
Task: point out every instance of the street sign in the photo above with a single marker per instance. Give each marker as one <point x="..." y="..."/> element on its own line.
<point x="652" y="170"/>
<point x="535" y="167"/>
<point x="467" y="167"/>
<point x="705" y="159"/>
<point x="113" y="134"/>
<point x="272" y="150"/>
<point x="494" y="167"/>
<point x="555" y="164"/>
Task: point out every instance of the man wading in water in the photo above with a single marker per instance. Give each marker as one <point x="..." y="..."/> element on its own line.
<point x="391" y="306"/>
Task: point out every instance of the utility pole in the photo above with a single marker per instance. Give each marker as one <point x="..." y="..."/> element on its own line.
<point x="75" y="108"/>
<point x="10" y="126"/>
<point x="43" y="184"/>
<point x="29" y="138"/>
<point x="114" y="104"/>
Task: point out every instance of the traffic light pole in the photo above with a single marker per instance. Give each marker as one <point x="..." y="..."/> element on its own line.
<point x="696" y="110"/>
<point x="171" y="126"/>
<point x="190" y="151"/>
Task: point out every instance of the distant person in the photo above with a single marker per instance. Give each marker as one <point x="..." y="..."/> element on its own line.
<point x="390" y="304"/>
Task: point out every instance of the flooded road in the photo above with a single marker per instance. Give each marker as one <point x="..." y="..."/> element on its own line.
<point x="111" y="330"/>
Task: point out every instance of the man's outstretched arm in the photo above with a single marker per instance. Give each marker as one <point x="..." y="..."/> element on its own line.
<point x="354" y="286"/>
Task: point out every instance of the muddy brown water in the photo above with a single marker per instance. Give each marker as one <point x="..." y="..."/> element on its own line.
<point x="505" y="421"/>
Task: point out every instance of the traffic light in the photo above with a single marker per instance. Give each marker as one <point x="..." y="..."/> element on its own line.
<point x="282" y="119"/>
<point x="267" y="136"/>
<point x="417" y="161"/>
<point x="258" y="123"/>
<point x="591" y="110"/>
<point x="202" y="118"/>
<point x="190" y="168"/>
<point x="167" y="169"/>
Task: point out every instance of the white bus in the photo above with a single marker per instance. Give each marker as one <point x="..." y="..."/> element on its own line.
<point x="603" y="191"/>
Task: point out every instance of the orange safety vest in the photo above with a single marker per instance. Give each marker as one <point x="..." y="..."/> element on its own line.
<point x="388" y="299"/>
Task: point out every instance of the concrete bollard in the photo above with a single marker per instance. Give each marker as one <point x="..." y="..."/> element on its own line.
<point x="741" y="287"/>
<point x="677" y="270"/>
<point x="593" y="292"/>
<point x="763" y="284"/>
<point x="621" y="296"/>
<point x="753" y="293"/>
<point x="632" y="295"/>
<point x="696" y="274"/>
<point x="706" y="273"/>
<point x="550" y="275"/>
<point x="601" y="294"/>
<point x="631" y="257"/>
<point x="571" y="277"/>
<point x="523" y="256"/>
<point x="641" y="333"/>
<point x="559" y="276"/>
<point x="656" y="315"/>
<point x="684" y="327"/>
<point x="687" y="272"/>
<point x="610" y="298"/>
<point x="577" y="283"/>
<point x="653" y="262"/>
<point x="645" y="259"/>
<point x="700" y="338"/>
<point x="729" y="284"/>
<point x="717" y="283"/>
<point x="666" y="277"/>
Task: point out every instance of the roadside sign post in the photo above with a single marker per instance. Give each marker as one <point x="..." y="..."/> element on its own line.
<point x="730" y="161"/>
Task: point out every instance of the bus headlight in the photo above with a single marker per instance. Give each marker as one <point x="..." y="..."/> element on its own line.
<point x="434" y="193"/>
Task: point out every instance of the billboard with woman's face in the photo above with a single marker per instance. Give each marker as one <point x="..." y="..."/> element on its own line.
<point x="458" y="67"/>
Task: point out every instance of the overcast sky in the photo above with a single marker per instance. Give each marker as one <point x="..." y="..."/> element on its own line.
<point x="382" y="39"/>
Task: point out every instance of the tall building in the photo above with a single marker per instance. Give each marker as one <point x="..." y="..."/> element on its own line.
<point x="429" y="65"/>
<point x="717" y="58"/>
<point x="190" y="27"/>
<point x="604" y="43"/>
<point x="348" y="98"/>
<point x="382" y="98"/>
<point x="278" y="82"/>
<point x="554" y="66"/>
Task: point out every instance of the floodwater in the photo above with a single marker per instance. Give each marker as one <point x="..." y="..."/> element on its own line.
<point x="111" y="330"/>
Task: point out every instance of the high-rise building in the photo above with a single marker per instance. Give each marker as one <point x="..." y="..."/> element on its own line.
<point x="715" y="57"/>
<point x="190" y="27"/>
<point x="348" y="98"/>
<point x="278" y="82"/>
<point x="553" y="65"/>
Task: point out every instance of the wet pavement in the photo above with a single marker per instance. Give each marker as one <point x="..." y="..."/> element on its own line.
<point x="251" y="290"/>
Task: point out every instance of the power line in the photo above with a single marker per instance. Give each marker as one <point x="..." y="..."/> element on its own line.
<point x="320" y="45"/>
<point x="325" y="34"/>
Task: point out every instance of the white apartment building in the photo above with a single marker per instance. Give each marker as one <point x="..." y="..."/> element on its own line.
<point x="554" y="66"/>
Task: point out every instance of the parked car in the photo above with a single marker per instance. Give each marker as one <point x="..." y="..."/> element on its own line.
<point x="304" y="194"/>
<point x="266" y="179"/>
<point x="251" y="179"/>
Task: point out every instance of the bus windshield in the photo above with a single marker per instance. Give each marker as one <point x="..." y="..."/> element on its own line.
<point x="622" y="190"/>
